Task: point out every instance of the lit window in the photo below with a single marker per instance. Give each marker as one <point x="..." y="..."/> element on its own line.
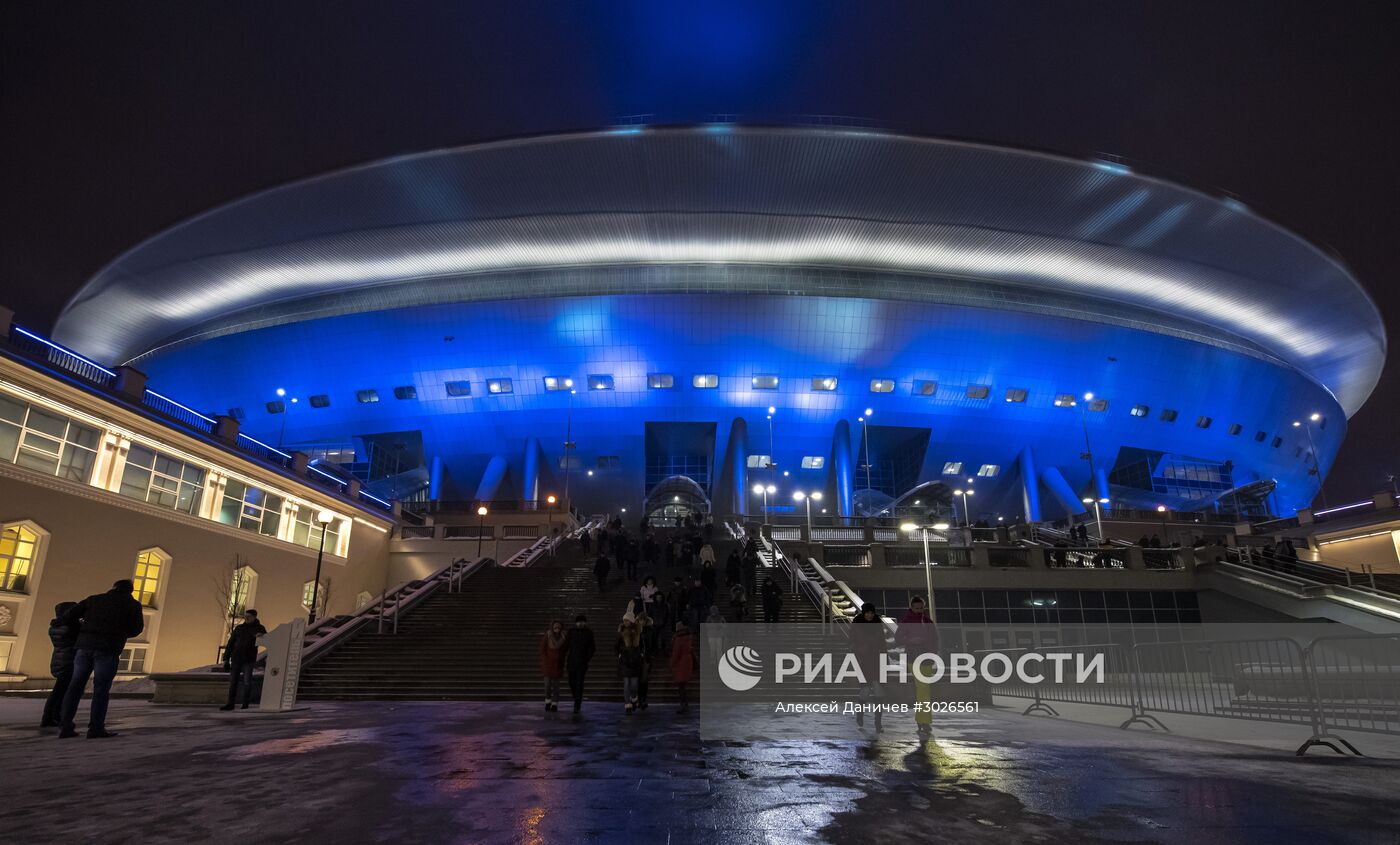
<point x="660" y="381"/>
<point x="365" y="397"/>
<point x="240" y="591"/>
<point x="600" y="382"/>
<point x="458" y="388"/>
<point x="310" y="592"/>
<point x="925" y="388"/>
<point x="149" y="566"/>
<point x="306" y="530"/>
<point x="18" y="545"/>
<point x="988" y="471"/>
<point x="705" y="381"/>
<point x="161" y="480"/>
<point x="276" y="406"/>
<point x="1098" y="406"/>
<point x="952" y="468"/>
<point x="978" y="391"/>
<point x="1016" y="394"/>
<point x="882" y="385"/>
<point x="824" y="382"/>
<point x="813" y="462"/>
<point x="556" y="383"/>
<point x="609" y="462"/>
<point x="320" y="400"/>
<point x="46" y="442"/>
<point x="765" y="382"/>
<point x="132" y="661"/>
<point x="1168" y="415"/>
<point x="1259" y="436"/>
<point x="1066" y="400"/>
<point x="499" y="385"/>
<point x="406" y="391"/>
<point x="238" y="414"/>
<point x="250" y="508"/>
<point x="1278" y="441"/>
<point x="1139" y="410"/>
<point x="759" y="461"/>
<point x="1203" y="422"/>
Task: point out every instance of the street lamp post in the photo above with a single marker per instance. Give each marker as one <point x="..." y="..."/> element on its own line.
<point x="1098" y="517"/>
<point x="480" y="528"/>
<point x="967" y="517"/>
<point x="928" y="563"/>
<point x="549" y="506"/>
<point x="286" y="412"/>
<point x="763" y="491"/>
<point x="569" y="437"/>
<point x="1162" y="509"/>
<point x="1088" y="450"/>
<point x="772" y="463"/>
<point x="325" y="518"/>
<point x="865" y="435"/>
<point x="1317" y="465"/>
<point x="809" y="499"/>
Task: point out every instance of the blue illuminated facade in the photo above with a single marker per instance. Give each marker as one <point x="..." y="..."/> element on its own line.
<point x="448" y="322"/>
<point x="632" y="436"/>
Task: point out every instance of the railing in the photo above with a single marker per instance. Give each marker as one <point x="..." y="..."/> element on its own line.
<point x="470" y="506"/>
<point x="1004" y="557"/>
<point x="416" y="532"/>
<point x="819" y="534"/>
<point x="528" y="555"/>
<point x="67" y="360"/>
<point x="940" y="555"/>
<point x="168" y="407"/>
<point x="1102" y="557"/>
<point x="1163" y="559"/>
<point x="1317" y="573"/>
<point x="846" y="555"/>
<point x="1349" y="682"/>
<point x="386" y="608"/>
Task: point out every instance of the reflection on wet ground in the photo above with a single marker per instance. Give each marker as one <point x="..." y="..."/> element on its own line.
<point x="503" y="773"/>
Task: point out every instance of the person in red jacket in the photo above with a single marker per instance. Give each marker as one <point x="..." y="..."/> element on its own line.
<point x="683" y="663"/>
<point x="550" y="645"/>
<point x="918" y="635"/>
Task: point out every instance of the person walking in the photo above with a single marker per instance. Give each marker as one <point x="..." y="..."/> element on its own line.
<point x="240" y="655"/>
<point x="601" y="567"/>
<point x="707" y="555"/>
<point x="574" y="655"/>
<point x="918" y="635"/>
<point x="683" y="663"/>
<point x="585" y="541"/>
<point x="64" y="638"/>
<point x="868" y="644"/>
<point x="738" y="601"/>
<point x="733" y="567"/>
<point x="710" y="578"/>
<point x="772" y="600"/>
<point x="698" y="602"/>
<point x="105" y="622"/>
<point x="714" y="630"/>
<point x="551" y="647"/>
<point x="630" y="660"/>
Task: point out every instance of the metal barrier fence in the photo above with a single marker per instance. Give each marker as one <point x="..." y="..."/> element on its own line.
<point x="940" y="555"/>
<point x="846" y="555"/>
<point x="1334" y="683"/>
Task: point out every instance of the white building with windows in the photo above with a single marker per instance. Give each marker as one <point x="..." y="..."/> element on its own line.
<point x="95" y="488"/>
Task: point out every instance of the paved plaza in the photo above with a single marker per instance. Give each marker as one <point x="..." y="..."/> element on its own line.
<point x="501" y="773"/>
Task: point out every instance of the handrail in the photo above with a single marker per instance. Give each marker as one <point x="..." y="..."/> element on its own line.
<point x="530" y="553"/>
<point x="1378" y="603"/>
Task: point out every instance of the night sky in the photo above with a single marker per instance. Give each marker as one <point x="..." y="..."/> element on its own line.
<point x="121" y="119"/>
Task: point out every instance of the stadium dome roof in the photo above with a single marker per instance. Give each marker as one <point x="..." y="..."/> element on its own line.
<point x="743" y="209"/>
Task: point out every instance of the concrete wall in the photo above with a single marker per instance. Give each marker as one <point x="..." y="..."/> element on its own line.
<point x="1378" y="551"/>
<point x="93" y="538"/>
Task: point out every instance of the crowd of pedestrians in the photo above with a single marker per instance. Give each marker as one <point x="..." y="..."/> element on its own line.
<point x="659" y="618"/>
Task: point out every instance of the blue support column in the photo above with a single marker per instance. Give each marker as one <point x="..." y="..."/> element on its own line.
<point x="530" y="488"/>
<point x="1055" y="482"/>
<point x="1030" y="486"/>
<point x="492" y="478"/>
<point x="435" y="479"/>
<point x="736" y="458"/>
<point x="843" y="468"/>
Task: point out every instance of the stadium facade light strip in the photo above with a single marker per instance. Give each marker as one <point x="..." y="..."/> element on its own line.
<point x="65" y="350"/>
<point x="1344" y="507"/>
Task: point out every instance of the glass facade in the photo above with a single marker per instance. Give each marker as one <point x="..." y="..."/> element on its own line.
<point x="250" y="508"/>
<point x="162" y="480"/>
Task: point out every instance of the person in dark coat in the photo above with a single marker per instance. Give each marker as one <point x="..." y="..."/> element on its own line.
<point x="683" y="663"/>
<point x="574" y="655"/>
<point x="105" y="622"/>
<point x="585" y="541"/>
<point x="772" y="600"/>
<point x="867" y="644"/>
<point x="733" y="568"/>
<point x="64" y="638"/>
<point x="697" y="603"/>
<point x="240" y="655"/>
<point x="631" y="663"/>
<point x="601" y="567"/>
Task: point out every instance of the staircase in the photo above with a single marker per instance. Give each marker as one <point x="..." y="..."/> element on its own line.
<point x="483" y="643"/>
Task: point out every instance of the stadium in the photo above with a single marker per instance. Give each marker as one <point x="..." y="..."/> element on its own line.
<point x="713" y="318"/>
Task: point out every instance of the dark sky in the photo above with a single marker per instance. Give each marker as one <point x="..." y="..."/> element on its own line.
<point x="120" y="119"/>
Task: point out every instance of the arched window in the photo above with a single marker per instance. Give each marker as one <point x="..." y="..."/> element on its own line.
<point x="19" y="546"/>
<point x="240" y="592"/>
<point x="151" y="566"/>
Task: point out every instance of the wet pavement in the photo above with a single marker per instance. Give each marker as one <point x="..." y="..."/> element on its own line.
<point x="502" y="773"/>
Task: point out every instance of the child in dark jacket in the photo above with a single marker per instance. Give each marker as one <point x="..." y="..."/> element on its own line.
<point x="64" y="637"/>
